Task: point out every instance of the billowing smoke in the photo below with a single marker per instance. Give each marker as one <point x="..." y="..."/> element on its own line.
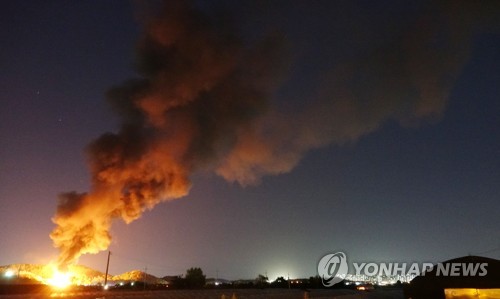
<point x="203" y="100"/>
<point x="199" y="89"/>
<point x="406" y="79"/>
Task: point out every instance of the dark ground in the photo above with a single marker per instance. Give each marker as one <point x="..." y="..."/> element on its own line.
<point x="211" y="294"/>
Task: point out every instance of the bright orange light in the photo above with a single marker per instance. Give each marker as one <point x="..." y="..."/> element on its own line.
<point x="60" y="280"/>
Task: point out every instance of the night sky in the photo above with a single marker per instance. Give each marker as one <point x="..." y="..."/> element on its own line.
<point x="386" y="116"/>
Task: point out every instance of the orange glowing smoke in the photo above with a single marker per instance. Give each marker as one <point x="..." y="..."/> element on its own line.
<point x="202" y="101"/>
<point x="83" y="220"/>
<point x="200" y="89"/>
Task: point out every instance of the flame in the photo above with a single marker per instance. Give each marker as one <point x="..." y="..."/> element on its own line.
<point x="52" y="275"/>
<point x="60" y="279"/>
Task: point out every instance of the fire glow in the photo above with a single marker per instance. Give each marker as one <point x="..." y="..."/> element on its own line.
<point x="60" y="279"/>
<point x="50" y="274"/>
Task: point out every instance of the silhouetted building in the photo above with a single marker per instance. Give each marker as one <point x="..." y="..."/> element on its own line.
<point x="465" y="277"/>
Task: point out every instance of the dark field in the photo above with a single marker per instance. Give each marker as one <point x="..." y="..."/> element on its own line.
<point x="40" y="292"/>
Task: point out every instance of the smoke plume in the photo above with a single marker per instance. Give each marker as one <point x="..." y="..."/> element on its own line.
<point x="203" y="100"/>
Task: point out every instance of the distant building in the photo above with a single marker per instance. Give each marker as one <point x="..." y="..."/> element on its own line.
<point x="171" y="280"/>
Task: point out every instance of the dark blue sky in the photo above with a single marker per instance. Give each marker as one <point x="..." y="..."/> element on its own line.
<point x="400" y="187"/>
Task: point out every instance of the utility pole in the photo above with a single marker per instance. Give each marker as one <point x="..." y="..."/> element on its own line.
<point x="107" y="268"/>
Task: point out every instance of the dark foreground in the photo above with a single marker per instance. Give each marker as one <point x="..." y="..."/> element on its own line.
<point x="217" y="294"/>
